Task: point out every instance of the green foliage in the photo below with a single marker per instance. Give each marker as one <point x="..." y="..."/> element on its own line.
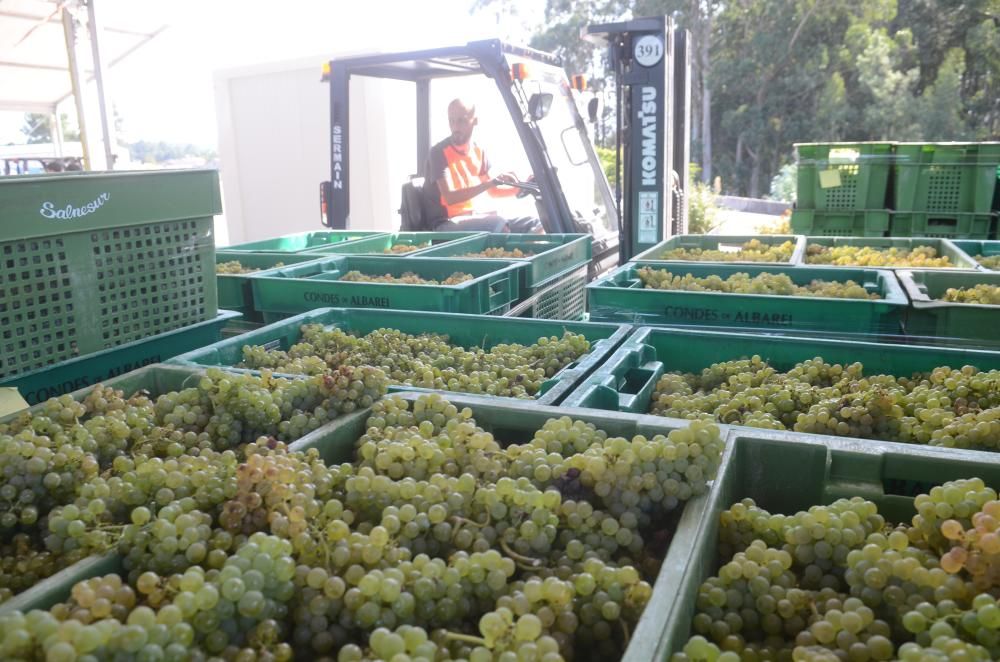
<point x="38" y="128"/>
<point x="942" y="118"/>
<point x="703" y="212"/>
<point x="158" y="152"/>
<point x="889" y="110"/>
<point x="784" y="183"/>
<point x="812" y="71"/>
<point x="607" y="157"/>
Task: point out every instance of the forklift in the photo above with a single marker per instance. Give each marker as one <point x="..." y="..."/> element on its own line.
<point x="650" y="61"/>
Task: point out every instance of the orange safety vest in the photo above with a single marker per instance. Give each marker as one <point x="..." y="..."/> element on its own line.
<point x="465" y="170"/>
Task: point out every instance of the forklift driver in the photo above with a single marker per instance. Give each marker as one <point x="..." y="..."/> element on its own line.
<point x="457" y="172"/>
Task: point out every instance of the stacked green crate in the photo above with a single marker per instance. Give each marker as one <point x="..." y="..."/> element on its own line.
<point x="985" y="253"/>
<point x="554" y="283"/>
<point x="509" y="422"/>
<point x="939" y="311"/>
<point x="945" y="189"/>
<point x="462" y="330"/>
<point x="495" y="286"/>
<point x="816" y="247"/>
<point x="395" y="243"/>
<point x="306" y="241"/>
<point x="621" y="296"/>
<point x="73" y="374"/>
<point x="91" y="261"/>
<point x="842" y="189"/>
<point x="786" y="473"/>
<point x="626" y="381"/>
<point x="235" y="291"/>
<point x="151" y="381"/>
<point x="729" y="244"/>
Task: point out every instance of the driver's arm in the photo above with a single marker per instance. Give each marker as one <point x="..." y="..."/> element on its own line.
<point x="504" y="191"/>
<point x="461" y="195"/>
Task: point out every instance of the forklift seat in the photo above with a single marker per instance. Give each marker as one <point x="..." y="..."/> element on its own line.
<point x="411" y="208"/>
<point x="417" y="198"/>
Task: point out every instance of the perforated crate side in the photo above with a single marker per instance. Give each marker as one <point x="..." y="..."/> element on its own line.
<point x="566" y="299"/>
<point x="38" y="305"/>
<point x="68" y="296"/>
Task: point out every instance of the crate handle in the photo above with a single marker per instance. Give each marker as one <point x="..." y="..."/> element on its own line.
<point x="597" y="396"/>
<point x="500" y="291"/>
<point x="843" y="155"/>
<point x="636" y="386"/>
<point x="943" y="222"/>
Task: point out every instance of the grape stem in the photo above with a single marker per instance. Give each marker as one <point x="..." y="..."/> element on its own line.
<point x="625" y="632"/>
<point x="461" y="521"/>
<point x="466" y="638"/>
<point x="534" y="563"/>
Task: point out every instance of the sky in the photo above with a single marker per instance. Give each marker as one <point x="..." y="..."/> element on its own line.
<point x="164" y="91"/>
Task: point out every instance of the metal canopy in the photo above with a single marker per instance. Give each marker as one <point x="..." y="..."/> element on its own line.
<point x="34" y="63"/>
<point x="434" y="63"/>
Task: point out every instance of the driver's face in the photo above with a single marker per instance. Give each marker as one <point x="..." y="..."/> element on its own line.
<point x="461" y="124"/>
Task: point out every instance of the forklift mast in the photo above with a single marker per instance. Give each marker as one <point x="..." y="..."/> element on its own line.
<point x="491" y="58"/>
<point x="650" y="60"/>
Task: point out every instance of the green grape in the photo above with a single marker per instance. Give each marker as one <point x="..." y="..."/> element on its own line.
<point x="397" y="249"/>
<point x="991" y="262"/>
<point x="499" y="252"/>
<point x="778" y="284"/>
<point x="981" y="293"/>
<point x="408" y="278"/>
<point x="920" y="257"/>
<point x="233" y="267"/>
<point x="919" y="591"/>
<point x="427" y="360"/>
<point x="751" y="251"/>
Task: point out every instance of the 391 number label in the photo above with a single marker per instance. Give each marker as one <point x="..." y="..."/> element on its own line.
<point x="648" y="50"/>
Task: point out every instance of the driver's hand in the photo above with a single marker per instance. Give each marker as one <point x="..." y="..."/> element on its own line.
<point x="505" y="178"/>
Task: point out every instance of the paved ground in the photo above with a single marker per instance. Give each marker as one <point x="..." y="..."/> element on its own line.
<point x="740" y="222"/>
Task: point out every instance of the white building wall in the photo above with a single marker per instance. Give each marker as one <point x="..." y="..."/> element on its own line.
<point x="274" y="137"/>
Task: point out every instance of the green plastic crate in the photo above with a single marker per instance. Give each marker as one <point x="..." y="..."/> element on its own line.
<point x="943" y="247"/>
<point x="553" y="254"/>
<point x="625" y="382"/>
<point x="464" y="330"/>
<point x="946" y="177"/>
<point x="304" y="241"/>
<point x="952" y="225"/>
<point x="509" y="421"/>
<point x="843" y="175"/>
<point x="516" y="422"/>
<point x="67" y="376"/>
<point x="720" y="242"/>
<point x="235" y="292"/>
<point x="56" y="588"/>
<point x="942" y="321"/>
<point x="237" y="327"/>
<point x="785" y="473"/>
<point x="977" y="249"/>
<point x="844" y="223"/>
<point x="496" y="284"/>
<point x="156" y="380"/>
<point x="562" y="297"/>
<point x="90" y="261"/>
<point x="384" y="242"/>
<point x="620" y="297"/>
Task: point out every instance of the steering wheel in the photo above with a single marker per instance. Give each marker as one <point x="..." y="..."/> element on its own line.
<point x="526" y="189"/>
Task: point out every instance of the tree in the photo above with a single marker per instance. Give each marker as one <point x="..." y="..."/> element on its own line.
<point x="38" y="128"/>
<point x="890" y="112"/>
<point x="942" y="115"/>
<point x="158" y="152"/>
<point x="768" y="74"/>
